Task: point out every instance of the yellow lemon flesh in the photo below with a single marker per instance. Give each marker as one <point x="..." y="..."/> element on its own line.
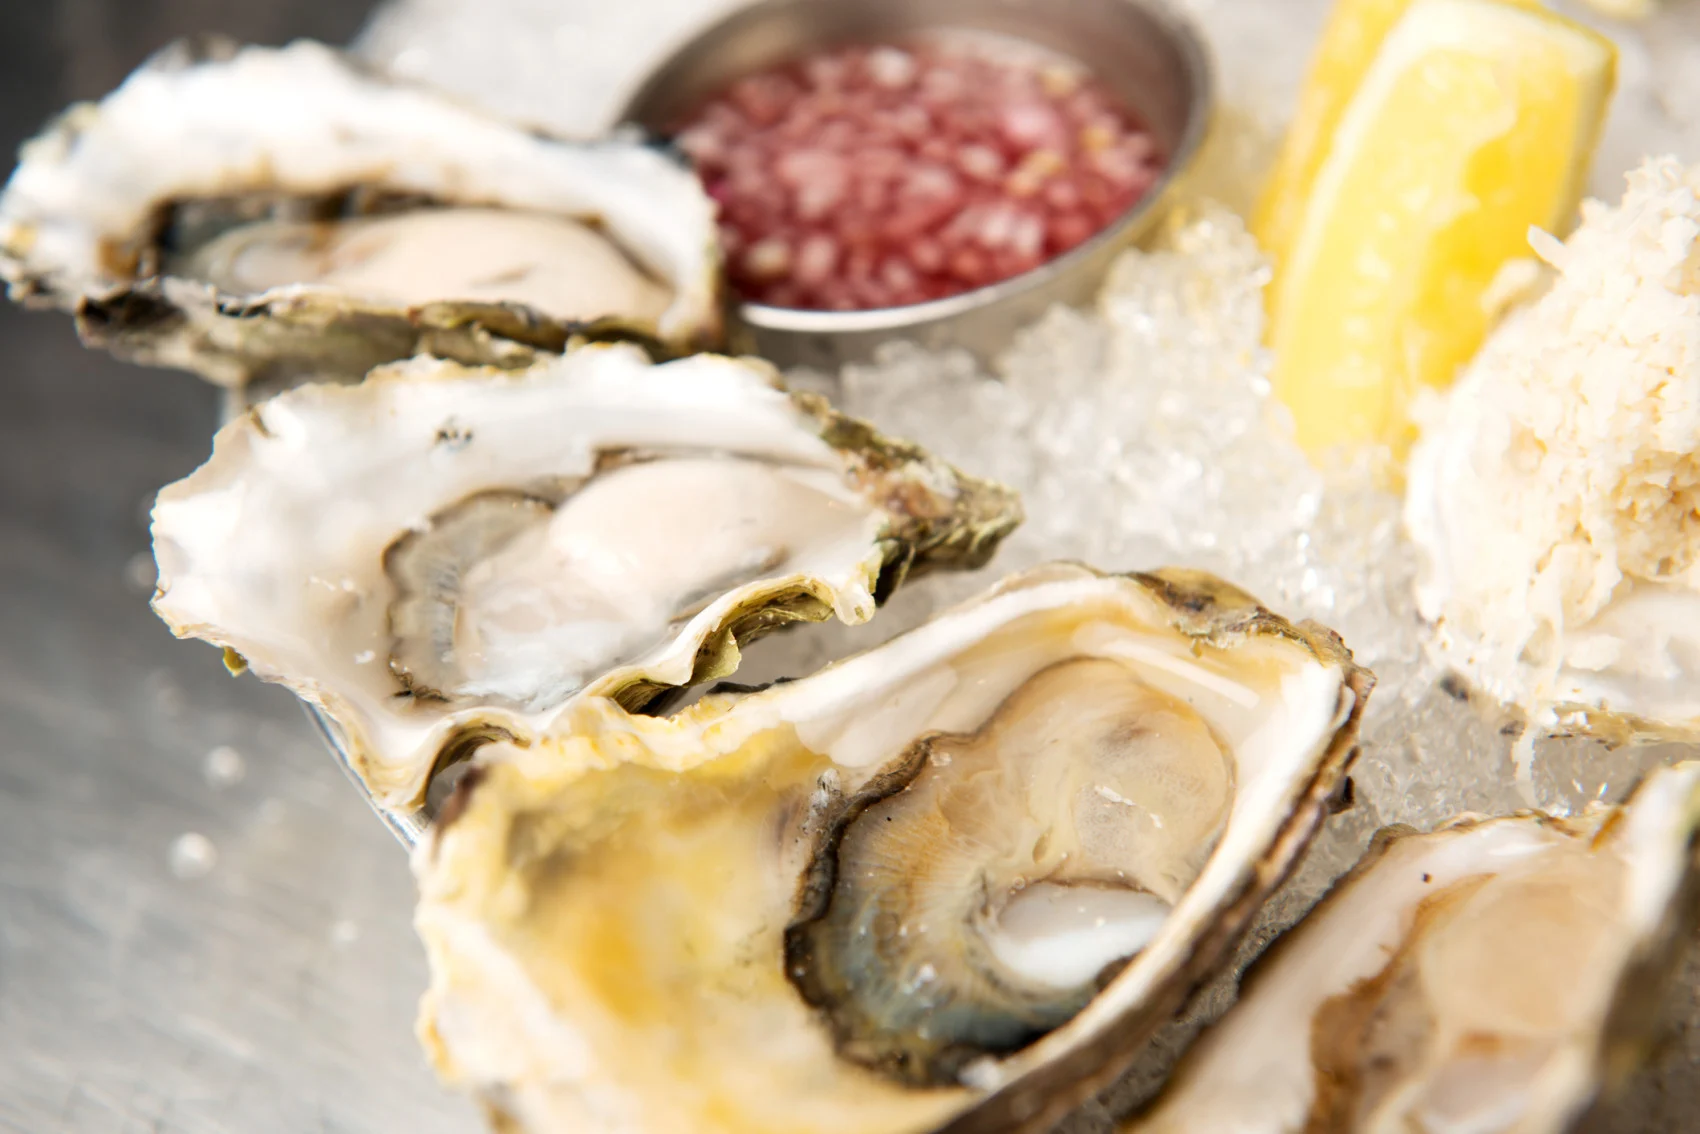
<point x="1349" y="43"/>
<point x="1475" y="120"/>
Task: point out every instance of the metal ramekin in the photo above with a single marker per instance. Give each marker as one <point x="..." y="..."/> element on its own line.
<point x="1144" y="51"/>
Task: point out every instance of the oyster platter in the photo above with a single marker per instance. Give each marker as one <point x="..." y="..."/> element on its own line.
<point x="1255" y="689"/>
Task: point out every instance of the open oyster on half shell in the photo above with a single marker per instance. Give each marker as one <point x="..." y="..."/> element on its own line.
<point x="441" y="555"/>
<point x="276" y="214"/>
<point x="1488" y="977"/>
<point x="952" y="883"/>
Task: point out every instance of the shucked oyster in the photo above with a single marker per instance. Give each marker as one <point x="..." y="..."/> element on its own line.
<point x="951" y="883"/>
<point x="277" y="213"/>
<point x="442" y="554"/>
<point x="1487" y="977"/>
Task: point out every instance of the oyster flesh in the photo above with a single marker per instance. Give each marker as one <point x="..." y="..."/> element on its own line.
<point x="443" y="554"/>
<point x="1487" y="977"/>
<point x="952" y="883"/>
<point x="262" y="213"/>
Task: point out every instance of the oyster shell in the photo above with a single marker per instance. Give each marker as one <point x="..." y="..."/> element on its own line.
<point x="442" y="554"/>
<point x="263" y="213"/>
<point x="1489" y="976"/>
<point x="1552" y="497"/>
<point x="952" y="883"/>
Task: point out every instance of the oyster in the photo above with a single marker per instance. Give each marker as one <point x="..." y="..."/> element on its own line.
<point x="263" y="213"/>
<point x="441" y="554"/>
<point x="1553" y="495"/>
<point x="951" y="883"/>
<point x="1489" y="976"/>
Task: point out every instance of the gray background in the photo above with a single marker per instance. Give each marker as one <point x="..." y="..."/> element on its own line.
<point x="277" y="991"/>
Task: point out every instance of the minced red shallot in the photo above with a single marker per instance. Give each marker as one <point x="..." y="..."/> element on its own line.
<point x="882" y="176"/>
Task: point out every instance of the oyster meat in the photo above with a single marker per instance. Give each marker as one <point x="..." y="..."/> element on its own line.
<point x="261" y="213"/>
<point x="441" y="554"/>
<point x="952" y="883"/>
<point x="1487" y="977"/>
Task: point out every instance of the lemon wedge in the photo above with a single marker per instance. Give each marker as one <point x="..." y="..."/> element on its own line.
<point x="1474" y="121"/>
<point x="1349" y="42"/>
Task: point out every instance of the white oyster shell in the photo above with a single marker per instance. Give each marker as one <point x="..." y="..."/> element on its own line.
<point x="1552" y="496"/>
<point x="1491" y="975"/>
<point x="87" y="224"/>
<point x="443" y="554"/>
<point x="623" y="920"/>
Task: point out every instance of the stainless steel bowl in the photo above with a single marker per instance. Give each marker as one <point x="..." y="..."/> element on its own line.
<point x="1146" y="53"/>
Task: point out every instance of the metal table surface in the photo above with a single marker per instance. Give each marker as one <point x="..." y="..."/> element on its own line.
<point x="274" y="991"/>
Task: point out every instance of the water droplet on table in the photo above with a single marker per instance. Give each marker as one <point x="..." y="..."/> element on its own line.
<point x="140" y="573"/>
<point x="193" y="856"/>
<point x="224" y="767"/>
